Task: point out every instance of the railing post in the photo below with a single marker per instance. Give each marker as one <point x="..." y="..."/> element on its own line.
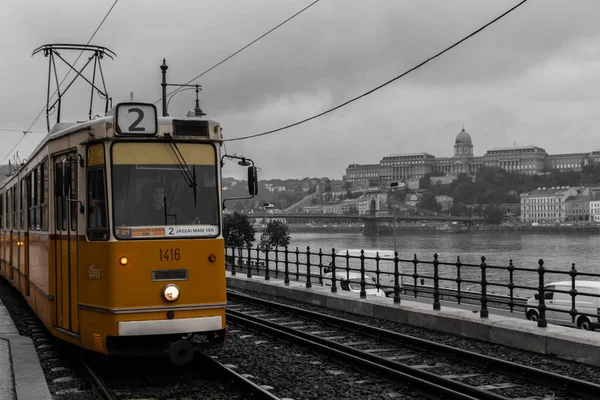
<point x="542" y="323"/>
<point x="511" y="285"/>
<point x="249" y="270"/>
<point x="415" y="275"/>
<point x="320" y="267"/>
<point x="573" y="292"/>
<point x="258" y="259"/>
<point x="233" y="250"/>
<point x="333" y="281"/>
<point x="458" y="280"/>
<point x="308" y="282"/>
<point x="276" y="262"/>
<point x="436" y="283"/>
<point x="483" y="313"/>
<point x="363" y="292"/>
<point x="377" y="271"/>
<point x="396" y="279"/>
<point x="297" y="264"/>
<point x="267" y="277"/>
<point x="286" y="266"/>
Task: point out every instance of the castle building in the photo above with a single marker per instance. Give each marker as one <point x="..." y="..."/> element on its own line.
<point x="409" y="168"/>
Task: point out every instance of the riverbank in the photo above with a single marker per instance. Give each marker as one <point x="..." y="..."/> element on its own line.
<point x="442" y="228"/>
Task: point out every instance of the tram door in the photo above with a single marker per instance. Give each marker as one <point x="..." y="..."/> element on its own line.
<point x="66" y="244"/>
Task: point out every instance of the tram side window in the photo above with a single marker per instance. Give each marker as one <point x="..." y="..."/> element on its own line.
<point x="22" y="194"/>
<point x="32" y="197"/>
<point x="1" y="211"/>
<point x="60" y="203"/>
<point x="97" y="219"/>
<point x="13" y="191"/>
<point x="72" y="175"/>
<point x="43" y="194"/>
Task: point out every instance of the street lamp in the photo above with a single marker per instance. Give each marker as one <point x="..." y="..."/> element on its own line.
<point x="394" y="186"/>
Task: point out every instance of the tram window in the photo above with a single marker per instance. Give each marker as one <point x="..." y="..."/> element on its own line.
<point x="22" y="194"/>
<point x="31" y="188"/>
<point x="61" y="204"/>
<point x="13" y="191"/>
<point x="73" y="196"/>
<point x="97" y="220"/>
<point x="1" y="211"/>
<point x="43" y="195"/>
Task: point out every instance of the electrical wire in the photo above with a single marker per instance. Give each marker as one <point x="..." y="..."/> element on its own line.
<point x="243" y="48"/>
<point x="384" y="84"/>
<point x="63" y="80"/>
<point x="19" y="130"/>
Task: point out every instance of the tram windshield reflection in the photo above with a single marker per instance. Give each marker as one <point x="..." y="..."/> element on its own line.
<point x="153" y="191"/>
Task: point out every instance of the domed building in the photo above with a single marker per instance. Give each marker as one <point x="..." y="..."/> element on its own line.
<point x="410" y="167"/>
<point x="463" y="146"/>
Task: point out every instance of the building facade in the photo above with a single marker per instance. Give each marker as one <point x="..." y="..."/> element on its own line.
<point x="409" y="168"/>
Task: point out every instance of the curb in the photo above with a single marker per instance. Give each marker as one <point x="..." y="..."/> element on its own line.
<point x="29" y="379"/>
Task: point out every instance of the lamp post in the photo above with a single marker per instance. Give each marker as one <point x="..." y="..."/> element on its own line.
<point x="394" y="186"/>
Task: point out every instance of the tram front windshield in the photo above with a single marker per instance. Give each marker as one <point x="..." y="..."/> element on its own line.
<point x="164" y="190"/>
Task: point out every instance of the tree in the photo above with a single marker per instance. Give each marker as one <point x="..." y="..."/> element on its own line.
<point x="279" y="234"/>
<point x="238" y="231"/>
<point x="493" y="214"/>
<point x="429" y="202"/>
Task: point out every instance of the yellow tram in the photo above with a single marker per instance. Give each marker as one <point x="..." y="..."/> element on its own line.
<point x="112" y="231"/>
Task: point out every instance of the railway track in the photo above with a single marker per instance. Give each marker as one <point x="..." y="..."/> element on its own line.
<point x="224" y="372"/>
<point x="432" y="369"/>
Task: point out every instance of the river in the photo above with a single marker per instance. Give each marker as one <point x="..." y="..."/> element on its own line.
<point x="558" y="250"/>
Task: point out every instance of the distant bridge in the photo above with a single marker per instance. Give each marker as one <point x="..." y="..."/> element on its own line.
<point x="366" y="217"/>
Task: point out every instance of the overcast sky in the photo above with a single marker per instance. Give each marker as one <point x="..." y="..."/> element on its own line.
<point x="533" y="78"/>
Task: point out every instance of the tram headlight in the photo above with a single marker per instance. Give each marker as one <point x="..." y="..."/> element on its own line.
<point x="170" y="292"/>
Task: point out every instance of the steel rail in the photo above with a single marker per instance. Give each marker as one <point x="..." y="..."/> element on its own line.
<point x="257" y="391"/>
<point x="573" y="386"/>
<point x="425" y="383"/>
<point x="101" y="387"/>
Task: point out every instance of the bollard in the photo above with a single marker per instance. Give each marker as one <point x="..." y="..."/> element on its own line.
<point x="542" y="323"/>
<point x="333" y="281"/>
<point x="286" y="266"/>
<point x="363" y="292"/>
<point x="308" y="283"/>
<point x="396" y="279"/>
<point x="483" y="313"/>
<point x="436" y="283"/>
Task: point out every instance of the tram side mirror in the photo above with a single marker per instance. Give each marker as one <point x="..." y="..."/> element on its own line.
<point x="252" y="180"/>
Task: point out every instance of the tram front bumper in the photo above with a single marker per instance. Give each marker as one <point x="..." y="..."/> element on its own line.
<point x="169" y="326"/>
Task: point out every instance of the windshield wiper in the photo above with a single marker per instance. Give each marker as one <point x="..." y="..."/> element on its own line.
<point x="189" y="173"/>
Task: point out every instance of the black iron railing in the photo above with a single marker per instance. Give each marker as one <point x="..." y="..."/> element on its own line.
<point x="524" y="289"/>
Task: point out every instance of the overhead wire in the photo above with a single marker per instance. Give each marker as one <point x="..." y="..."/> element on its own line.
<point x="61" y="82"/>
<point x="243" y="48"/>
<point x="383" y="84"/>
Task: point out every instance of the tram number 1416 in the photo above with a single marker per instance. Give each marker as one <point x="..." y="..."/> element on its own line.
<point x="170" y="254"/>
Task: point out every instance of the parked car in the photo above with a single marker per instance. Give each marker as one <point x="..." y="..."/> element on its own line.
<point x="350" y="281"/>
<point x="563" y="302"/>
<point x="353" y="263"/>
